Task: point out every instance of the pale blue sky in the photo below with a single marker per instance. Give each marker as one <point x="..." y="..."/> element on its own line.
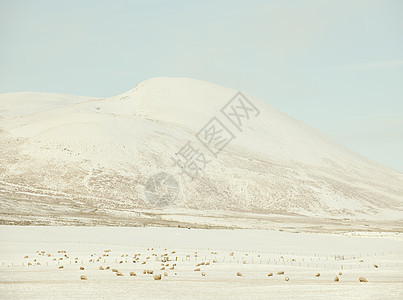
<point x="336" y="65"/>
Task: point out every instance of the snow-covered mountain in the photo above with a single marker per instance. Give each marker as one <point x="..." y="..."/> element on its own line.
<point x="79" y="160"/>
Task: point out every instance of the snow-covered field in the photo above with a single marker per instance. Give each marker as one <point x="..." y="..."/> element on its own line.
<point x="30" y="264"/>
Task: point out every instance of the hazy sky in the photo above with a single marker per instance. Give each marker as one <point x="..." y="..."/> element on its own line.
<point x="336" y="65"/>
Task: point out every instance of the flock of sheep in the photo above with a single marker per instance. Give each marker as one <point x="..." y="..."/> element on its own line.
<point x="167" y="260"/>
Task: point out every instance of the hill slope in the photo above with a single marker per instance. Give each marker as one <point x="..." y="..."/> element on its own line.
<point x="79" y="160"/>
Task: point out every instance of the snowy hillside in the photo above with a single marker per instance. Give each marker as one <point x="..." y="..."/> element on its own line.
<point x="79" y="160"/>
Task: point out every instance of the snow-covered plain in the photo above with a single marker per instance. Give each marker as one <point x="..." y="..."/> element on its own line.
<point x="256" y="253"/>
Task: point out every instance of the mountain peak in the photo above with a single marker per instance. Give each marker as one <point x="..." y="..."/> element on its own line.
<point x="70" y="151"/>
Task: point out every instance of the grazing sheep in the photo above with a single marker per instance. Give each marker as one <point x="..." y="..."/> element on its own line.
<point x="157" y="277"/>
<point x="150" y="271"/>
<point x="132" y="274"/>
<point x="119" y="274"/>
<point x="197" y="269"/>
<point x="162" y="268"/>
<point x="115" y="270"/>
<point x="376" y="266"/>
<point x="108" y="267"/>
<point x="26" y="256"/>
<point x="172" y="268"/>
<point x="239" y="274"/>
<point x="29" y="264"/>
<point x="83" y="277"/>
<point x="362" y="279"/>
<point x="280" y="273"/>
<point x="286" y="279"/>
<point x="203" y="274"/>
<point x="340" y="273"/>
<point x="101" y="268"/>
<point x="270" y="274"/>
<point x="145" y="272"/>
<point x="207" y="263"/>
<point x="61" y="267"/>
<point x="336" y="279"/>
<point x="317" y="274"/>
<point x="165" y="274"/>
<point x="81" y="268"/>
